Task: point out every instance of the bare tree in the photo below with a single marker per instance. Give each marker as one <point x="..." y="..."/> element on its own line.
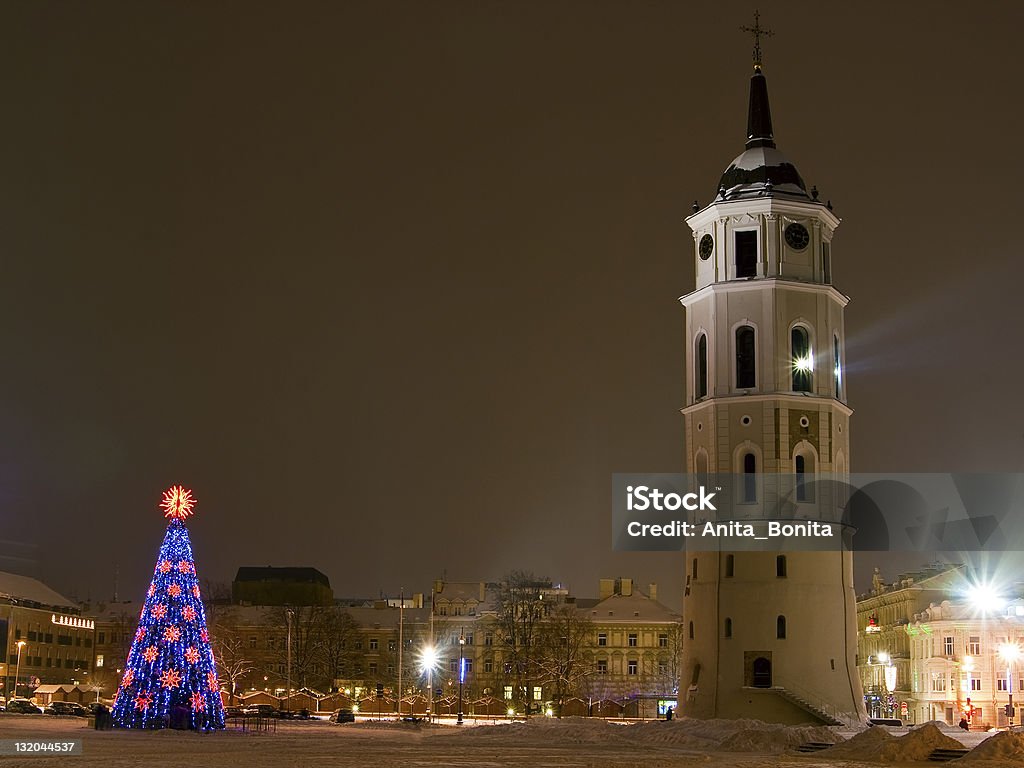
<point x="336" y="652"/>
<point x="305" y="626"/>
<point x="520" y="610"/>
<point x="562" y="658"/>
<point x="229" y="649"/>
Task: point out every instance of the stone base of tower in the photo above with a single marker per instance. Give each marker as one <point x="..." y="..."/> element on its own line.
<point x="771" y="636"/>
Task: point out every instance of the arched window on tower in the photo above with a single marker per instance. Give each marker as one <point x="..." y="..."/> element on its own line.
<point x="749" y="478"/>
<point x="780" y="628"/>
<point x="780" y="566"/>
<point x="838" y="372"/>
<point x="746" y="368"/>
<point x="730" y="566"/>
<point x="700" y="374"/>
<point x="803" y="463"/>
<point x="728" y="627"/>
<point x="802" y="360"/>
<point x="691" y="630"/>
<point x="701" y="465"/>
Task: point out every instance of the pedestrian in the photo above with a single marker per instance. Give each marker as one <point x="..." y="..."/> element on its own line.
<point x="964" y="724"/>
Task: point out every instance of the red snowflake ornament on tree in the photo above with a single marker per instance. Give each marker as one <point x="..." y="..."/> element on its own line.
<point x="150" y="654"/>
<point x="184" y="566"/>
<point x="195" y="591"/>
<point x="129" y="675"/>
<point x="211" y="681"/>
<point x="171" y="678"/>
<point x="140" y="633"/>
<point x="151" y="591"/>
<point x="204" y="635"/>
<point x="165" y="566"/>
<point x="198" y="701"/>
<point x="192" y="655"/>
<point x="188" y="613"/>
<point x="172" y="634"/>
<point x="159" y="611"/>
<point x="143" y="700"/>
<point x="174" y="590"/>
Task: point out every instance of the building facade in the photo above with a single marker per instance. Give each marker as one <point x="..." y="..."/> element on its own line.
<point x="46" y="638"/>
<point x="768" y="635"/>
<point x="928" y="651"/>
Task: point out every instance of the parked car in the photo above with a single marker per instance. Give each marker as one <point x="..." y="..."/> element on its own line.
<point x="233" y="712"/>
<point x="342" y="716"/>
<point x="294" y="714"/>
<point x="24" y="707"/>
<point x="68" y="708"/>
<point x="885" y="721"/>
<point x="261" y="710"/>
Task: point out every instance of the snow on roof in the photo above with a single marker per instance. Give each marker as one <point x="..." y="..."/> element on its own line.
<point x="25" y="589"/>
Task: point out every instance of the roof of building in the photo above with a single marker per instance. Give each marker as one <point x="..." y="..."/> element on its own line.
<point x="291" y="574"/>
<point x="23" y="589"/>
<point x="628" y="608"/>
<point x="761" y="170"/>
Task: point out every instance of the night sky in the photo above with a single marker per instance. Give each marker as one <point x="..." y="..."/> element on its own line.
<point x="393" y="286"/>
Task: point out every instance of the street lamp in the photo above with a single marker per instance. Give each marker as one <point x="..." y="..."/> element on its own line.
<point x="1009" y="652"/>
<point x="21" y="644"/>
<point x="428" y="660"/>
<point x="462" y="673"/>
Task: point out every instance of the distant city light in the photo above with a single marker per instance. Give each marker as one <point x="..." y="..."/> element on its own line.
<point x="985" y="598"/>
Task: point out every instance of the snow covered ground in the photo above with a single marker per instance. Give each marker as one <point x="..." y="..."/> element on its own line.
<point x="541" y="743"/>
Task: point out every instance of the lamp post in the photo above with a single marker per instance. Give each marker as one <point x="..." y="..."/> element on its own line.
<point x="1009" y="652"/>
<point x="289" y="616"/>
<point x="428" y="658"/>
<point x="462" y="671"/>
<point x="17" y="673"/>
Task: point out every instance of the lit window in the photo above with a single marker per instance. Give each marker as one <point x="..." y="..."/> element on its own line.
<point x="508" y="693"/>
<point x="536" y="693"/>
<point x="838" y="372"/>
<point x="802" y="360"/>
<point x="99" y="659"/>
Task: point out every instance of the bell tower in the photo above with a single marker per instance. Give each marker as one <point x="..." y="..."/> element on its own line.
<point x="769" y="635"/>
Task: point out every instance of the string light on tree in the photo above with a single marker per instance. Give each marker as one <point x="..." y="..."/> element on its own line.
<point x="171" y="675"/>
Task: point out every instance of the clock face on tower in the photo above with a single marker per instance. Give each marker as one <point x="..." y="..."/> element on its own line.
<point x="797" y="236"/>
<point x="707" y="245"/>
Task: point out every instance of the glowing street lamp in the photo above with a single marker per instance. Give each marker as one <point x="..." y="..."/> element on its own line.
<point x="1009" y="652"/>
<point x="462" y="672"/>
<point x="21" y="644"/>
<point x="428" y="663"/>
<point x="985" y="598"/>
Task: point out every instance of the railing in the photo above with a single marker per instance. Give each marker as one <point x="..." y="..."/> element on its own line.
<point x="820" y="705"/>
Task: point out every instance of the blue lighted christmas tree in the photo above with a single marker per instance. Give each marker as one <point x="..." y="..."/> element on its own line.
<point x="171" y="677"/>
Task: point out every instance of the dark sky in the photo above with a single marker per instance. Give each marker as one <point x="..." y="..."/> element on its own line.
<point x="393" y="286"/>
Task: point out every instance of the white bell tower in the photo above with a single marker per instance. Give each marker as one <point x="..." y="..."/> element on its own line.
<point x="768" y="635"/>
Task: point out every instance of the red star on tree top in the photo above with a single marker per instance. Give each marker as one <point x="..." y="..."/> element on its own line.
<point x="177" y="503"/>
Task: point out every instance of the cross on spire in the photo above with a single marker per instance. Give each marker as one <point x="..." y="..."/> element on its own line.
<point x="757" y="30"/>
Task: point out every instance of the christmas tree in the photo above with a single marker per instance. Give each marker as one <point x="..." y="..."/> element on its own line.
<point x="170" y="676"/>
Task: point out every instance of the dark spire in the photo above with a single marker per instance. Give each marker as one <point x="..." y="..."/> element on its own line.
<point x="759" y="116"/>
